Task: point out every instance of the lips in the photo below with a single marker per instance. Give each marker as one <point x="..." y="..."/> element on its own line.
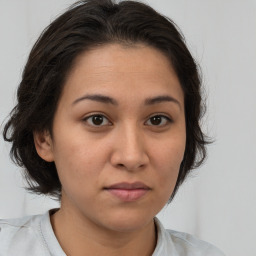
<point x="128" y="191"/>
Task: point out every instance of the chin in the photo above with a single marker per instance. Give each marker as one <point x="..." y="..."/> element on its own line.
<point x="128" y="222"/>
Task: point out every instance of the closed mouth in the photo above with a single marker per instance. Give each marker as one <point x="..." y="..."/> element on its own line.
<point x="128" y="186"/>
<point x="128" y="192"/>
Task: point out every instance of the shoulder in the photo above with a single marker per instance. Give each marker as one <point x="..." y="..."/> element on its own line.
<point x="21" y="236"/>
<point x="176" y="243"/>
<point x="26" y="221"/>
<point x="186" y="242"/>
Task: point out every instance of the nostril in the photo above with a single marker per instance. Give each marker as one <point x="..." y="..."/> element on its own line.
<point x="130" y="167"/>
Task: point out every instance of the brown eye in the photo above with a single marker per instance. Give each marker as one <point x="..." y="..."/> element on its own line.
<point x="158" y="120"/>
<point x="97" y="120"/>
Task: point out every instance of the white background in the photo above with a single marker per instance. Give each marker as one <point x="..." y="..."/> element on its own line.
<point x="218" y="203"/>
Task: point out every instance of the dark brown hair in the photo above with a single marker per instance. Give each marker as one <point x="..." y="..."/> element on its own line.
<point x="85" y="25"/>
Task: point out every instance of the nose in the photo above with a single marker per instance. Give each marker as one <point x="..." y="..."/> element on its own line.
<point x="129" y="151"/>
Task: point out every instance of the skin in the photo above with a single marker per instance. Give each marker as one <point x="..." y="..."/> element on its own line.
<point x="128" y="146"/>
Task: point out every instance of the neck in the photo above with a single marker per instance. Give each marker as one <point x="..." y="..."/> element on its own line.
<point x="78" y="236"/>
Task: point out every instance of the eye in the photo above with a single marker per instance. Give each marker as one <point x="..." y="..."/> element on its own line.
<point x="97" y="120"/>
<point x="158" y="120"/>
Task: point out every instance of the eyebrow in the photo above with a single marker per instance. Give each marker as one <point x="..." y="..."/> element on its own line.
<point x="160" y="99"/>
<point x="108" y="100"/>
<point x="97" y="97"/>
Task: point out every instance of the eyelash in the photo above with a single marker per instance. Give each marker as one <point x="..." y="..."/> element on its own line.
<point x="97" y="115"/>
<point x="167" y="119"/>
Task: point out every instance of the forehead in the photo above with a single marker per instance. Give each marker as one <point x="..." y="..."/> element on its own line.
<point x="116" y="68"/>
<point x="124" y="59"/>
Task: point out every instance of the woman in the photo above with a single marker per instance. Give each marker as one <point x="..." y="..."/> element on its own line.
<point x="107" y="121"/>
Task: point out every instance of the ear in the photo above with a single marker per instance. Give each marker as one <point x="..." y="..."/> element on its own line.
<point x="44" y="145"/>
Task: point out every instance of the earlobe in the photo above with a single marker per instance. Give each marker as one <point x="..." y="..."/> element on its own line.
<point x="43" y="145"/>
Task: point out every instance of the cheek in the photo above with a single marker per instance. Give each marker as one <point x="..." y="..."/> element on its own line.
<point x="168" y="159"/>
<point x="76" y="162"/>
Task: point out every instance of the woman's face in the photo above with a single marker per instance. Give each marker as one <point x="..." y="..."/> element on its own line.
<point x="118" y="136"/>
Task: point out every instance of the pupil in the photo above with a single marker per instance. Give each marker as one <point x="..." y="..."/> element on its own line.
<point x="97" y="120"/>
<point x="156" y="120"/>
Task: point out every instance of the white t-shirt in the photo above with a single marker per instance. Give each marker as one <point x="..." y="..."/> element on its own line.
<point x="34" y="236"/>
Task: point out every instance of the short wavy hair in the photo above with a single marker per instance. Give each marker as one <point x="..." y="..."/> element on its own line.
<point x="85" y="25"/>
